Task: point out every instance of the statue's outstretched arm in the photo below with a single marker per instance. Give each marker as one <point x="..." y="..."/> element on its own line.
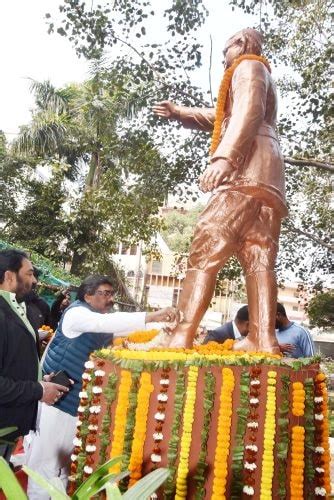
<point x="197" y="118"/>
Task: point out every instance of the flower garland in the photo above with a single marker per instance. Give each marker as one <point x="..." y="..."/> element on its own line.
<point x="139" y="433"/>
<point x="298" y="399"/>
<point x="223" y="436"/>
<point x="251" y="449"/>
<point x="208" y="402"/>
<point x="179" y="399"/>
<point x="110" y="396"/>
<point x="120" y="418"/>
<point x="138" y="337"/>
<point x="297" y="463"/>
<point x="269" y="438"/>
<point x="188" y="419"/>
<point x="223" y="93"/>
<point x="282" y="441"/>
<point x="322" y="454"/>
<point x="160" y="416"/>
<point x="246" y="408"/>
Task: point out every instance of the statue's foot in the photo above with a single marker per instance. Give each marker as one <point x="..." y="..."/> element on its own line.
<point x="179" y="338"/>
<point x="250" y="346"/>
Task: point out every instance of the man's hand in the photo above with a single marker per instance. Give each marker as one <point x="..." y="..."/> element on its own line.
<point x="52" y="392"/>
<point x="168" y="315"/>
<point x="165" y="109"/>
<point x="286" y="347"/>
<point x="218" y="172"/>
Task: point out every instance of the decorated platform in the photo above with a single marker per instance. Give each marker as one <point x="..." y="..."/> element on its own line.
<point x="227" y="424"/>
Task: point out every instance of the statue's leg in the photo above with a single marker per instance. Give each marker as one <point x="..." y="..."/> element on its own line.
<point x="216" y="238"/>
<point x="258" y="256"/>
<point x="195" y="297"/>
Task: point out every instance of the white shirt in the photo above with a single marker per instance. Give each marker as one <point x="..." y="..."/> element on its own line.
<point x="78" y="320"/>
<point x="237" y="334"/>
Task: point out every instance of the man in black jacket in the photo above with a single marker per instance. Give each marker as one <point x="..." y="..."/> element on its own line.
<point x="20" y="377"/>
<point x="235" y="329"/>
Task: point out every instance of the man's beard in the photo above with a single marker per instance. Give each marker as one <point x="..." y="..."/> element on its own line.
<point x="22" y="288"/>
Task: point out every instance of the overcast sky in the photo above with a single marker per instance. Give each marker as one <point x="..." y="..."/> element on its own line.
<point x="29" y="52"/>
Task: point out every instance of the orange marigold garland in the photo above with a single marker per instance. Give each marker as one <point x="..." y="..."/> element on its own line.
<point x="297" y="463"/>
<point x="223" y="93"/>
<point x="298" y="399"/>
<point x="120" y="418"/>
<point x="223" y="436"/>
<point x="139" y="434"/>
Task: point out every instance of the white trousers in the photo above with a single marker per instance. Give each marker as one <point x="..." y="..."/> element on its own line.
<point x="50" y="448"/>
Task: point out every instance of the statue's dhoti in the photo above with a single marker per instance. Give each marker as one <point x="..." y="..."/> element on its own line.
<point x="233" y="224"/>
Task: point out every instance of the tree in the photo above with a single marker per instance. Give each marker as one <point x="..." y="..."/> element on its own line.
<point x="321" y="310"/>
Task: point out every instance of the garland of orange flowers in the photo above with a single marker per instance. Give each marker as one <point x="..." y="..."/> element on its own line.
<point x="223" y="93"/>
<point x="139" y="434"/>
<point x="223" y="436"/>
<point x="322" y="453"/>
<point x="297" y="463"/>
<point x="269" y="438"/>
<point x="137" y="337"/>
<point x="298" y="399"/>
<point x="120" y="418"/>
<point x="188" y="419"/>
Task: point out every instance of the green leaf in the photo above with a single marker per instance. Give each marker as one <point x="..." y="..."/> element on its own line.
<point x="9" y="484"/>
<point x="112" y="492"/>
<point x="7" y="430"/>
<point x="109" y="478"/>
<point x="54" y="492"/>
<point x="147" y="485"/>
<point x="81" y="492"/>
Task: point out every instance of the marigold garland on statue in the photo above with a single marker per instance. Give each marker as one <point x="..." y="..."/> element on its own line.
<point x="120" y="418"/>
<point x="223" y="94"/>
<point x="269" y="438"/>
<point x="223" y="436"/>
<point x="188" y="420"/>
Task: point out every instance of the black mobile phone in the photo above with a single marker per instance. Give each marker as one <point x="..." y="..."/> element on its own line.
<point x="62" y="378"/>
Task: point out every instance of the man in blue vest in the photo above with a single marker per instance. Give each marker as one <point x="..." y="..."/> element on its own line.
<point x="86" y="325"/>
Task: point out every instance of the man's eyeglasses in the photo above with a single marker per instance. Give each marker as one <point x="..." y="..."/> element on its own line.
<point x="105" y="293"/>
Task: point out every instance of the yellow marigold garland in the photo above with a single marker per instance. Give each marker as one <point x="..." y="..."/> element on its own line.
<point x="188" y="419"/>
<point x="223" y="93"/>
<point x="297" y="463"/>
<point x="298" y="399"/>
<point x="120" y="418"/>
<point x="223" y="436"/>
<point x="137" y="337"/>
<point x="139" y="434"/>
<point x="269" y="438"/>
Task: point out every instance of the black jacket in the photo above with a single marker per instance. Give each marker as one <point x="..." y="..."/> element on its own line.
<point x="19" y="388"/>
<point x="220" y="334"/>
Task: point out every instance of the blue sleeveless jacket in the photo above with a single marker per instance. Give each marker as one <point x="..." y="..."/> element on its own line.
<point x="70" y="355"/>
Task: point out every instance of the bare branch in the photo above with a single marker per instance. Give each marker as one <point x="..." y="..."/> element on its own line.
<point x="210" y="67"/>
<point x="317" y="240"/>
<point x="304" y="162"/>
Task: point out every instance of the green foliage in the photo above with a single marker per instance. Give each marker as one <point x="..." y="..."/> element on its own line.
<point x="179" y="226"/>
<point x="321" y="310"/>
<point x="100" y="480"/>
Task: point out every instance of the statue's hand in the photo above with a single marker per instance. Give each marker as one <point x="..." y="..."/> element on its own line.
<point x="165" y="109"/>
<point x="215" y="174"/>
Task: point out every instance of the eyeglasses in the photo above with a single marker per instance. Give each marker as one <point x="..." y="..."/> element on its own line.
<point x="105" y="293"/>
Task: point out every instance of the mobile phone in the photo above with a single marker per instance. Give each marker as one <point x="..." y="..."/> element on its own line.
<point x="62" y="378"/>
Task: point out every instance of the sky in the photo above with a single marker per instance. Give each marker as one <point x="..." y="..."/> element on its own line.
<point x="29" y="52"/>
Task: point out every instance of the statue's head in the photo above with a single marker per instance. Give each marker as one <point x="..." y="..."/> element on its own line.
<point x="246" y="41"/>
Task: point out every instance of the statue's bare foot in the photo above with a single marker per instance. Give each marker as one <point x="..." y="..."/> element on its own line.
<point x="249" y="346"/>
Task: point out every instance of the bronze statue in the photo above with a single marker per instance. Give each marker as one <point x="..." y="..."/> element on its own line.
<point x="246" y="175"/>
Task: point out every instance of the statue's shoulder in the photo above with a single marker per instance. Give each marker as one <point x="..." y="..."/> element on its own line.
<point x="249" y="68"/>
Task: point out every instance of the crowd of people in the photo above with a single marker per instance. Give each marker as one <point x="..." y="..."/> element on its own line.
<point x="31" y="398"/>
